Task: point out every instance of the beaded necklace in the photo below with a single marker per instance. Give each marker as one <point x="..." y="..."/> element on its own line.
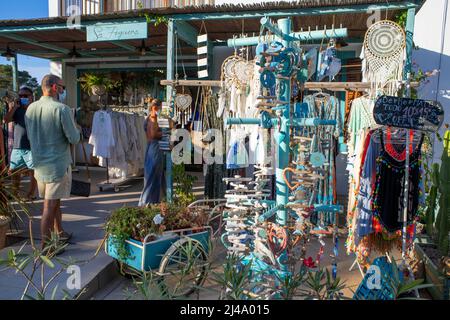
<point x="391" y="150"/>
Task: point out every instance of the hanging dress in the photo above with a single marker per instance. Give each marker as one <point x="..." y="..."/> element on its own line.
<point x="388" y="195"/>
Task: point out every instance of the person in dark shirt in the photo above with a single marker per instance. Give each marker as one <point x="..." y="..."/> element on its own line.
<point x="21" y="158"/>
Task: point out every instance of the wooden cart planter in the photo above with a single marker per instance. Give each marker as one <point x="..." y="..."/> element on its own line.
<point x="441" y="282"/>
<point x="166" y="258"/>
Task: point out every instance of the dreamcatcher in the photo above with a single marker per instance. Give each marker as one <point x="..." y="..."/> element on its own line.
<point x="182" y="104"/>
<point x="384" y="54"/>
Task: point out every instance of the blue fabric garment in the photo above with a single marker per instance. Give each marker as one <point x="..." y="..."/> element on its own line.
<point x="153" y="174"/>
<point x="364" y="219"/>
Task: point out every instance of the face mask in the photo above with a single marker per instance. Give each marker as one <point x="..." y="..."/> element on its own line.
<point x="24" y="101"/>
<point x="62" y="96"/>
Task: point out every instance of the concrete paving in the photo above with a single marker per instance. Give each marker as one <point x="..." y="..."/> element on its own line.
<point x="85" y="217"/>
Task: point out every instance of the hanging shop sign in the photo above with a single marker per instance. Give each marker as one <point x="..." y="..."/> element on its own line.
<point x="116" y="31"/>
<point x="202" y="53"/>
<point x="408" y="113"/>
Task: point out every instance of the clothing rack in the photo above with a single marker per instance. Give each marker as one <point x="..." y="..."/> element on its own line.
<point x="118" y="183"/>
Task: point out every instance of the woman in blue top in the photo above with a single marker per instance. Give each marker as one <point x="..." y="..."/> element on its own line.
<point x="153" y="167"/>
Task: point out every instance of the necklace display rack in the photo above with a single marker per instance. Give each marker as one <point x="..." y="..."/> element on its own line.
<point x="282" y="222"/>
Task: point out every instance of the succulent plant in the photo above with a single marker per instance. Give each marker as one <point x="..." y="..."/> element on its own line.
<point x="443" y="217"/>
<point x="432" y="199"/>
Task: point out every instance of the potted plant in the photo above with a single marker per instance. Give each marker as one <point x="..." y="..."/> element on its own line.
<point x="97" y="84"/>
<point x="9" y="203"/>
<point x="435" y="255"/>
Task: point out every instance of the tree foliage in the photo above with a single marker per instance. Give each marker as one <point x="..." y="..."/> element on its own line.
<point x="25" y="79"/>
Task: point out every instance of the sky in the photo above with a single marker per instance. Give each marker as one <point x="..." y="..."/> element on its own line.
<point x="26" y="9"/>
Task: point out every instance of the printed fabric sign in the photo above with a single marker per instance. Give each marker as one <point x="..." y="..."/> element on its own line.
<point x="408" y="113"/>
<point x="116" y="31"/>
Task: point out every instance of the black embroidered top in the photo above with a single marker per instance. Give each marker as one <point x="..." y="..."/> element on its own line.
<point x="389" y="189"/>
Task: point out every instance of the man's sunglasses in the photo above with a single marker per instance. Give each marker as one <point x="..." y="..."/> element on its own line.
<point x="64" y="87"/>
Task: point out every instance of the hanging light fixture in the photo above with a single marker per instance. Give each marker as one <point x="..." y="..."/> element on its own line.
<point x="74" y="53"/>
<point x="142" y="50"/>
<point x="8" y="54"/>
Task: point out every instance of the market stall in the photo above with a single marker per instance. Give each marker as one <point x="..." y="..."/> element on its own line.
<point x="278" y="99"/>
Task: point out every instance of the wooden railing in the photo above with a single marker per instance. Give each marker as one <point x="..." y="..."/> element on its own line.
<point x="87" y="7"/>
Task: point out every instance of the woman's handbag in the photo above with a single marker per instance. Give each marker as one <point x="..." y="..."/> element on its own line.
<point x="81" y="188"/>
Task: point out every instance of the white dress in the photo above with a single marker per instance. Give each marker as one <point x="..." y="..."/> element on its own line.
<point x="101" y="137"/>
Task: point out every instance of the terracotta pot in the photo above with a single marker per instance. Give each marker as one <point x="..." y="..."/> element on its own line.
<point x="4" y="224"/>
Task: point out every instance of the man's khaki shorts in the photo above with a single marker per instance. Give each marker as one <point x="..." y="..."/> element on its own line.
<point x="56" y="190"/>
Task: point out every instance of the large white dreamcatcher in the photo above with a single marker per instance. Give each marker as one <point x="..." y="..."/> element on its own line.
<point x="384" y="55"/>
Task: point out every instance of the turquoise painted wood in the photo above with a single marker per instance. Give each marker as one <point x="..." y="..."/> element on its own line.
<point x="23" y="39"/>
<point x="116" y="31"/>
<point x="170" y="75"/>
<point x="147" y="256"/>
<point x="168" y="176"/>
<point x="186" y="32"/>
<point x="63" y="26"/>
<point x="15" y="73"/>
<point x="296" y="36"/>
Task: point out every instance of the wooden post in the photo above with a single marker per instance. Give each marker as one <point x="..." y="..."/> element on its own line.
<point x="15" y="73"/>
<point x="170" y="76"/>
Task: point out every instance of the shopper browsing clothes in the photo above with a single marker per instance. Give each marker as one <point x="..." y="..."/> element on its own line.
<point x="153" y="167"/>
<point x="21" y="160"/>
<point x="51" y="129"/>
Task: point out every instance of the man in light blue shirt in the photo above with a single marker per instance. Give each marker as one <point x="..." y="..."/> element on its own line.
<point x="51" y="129"/>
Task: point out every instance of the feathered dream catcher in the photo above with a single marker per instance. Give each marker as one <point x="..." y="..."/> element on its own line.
<point x="384" y="55"/>
<point x="182" y="103"/>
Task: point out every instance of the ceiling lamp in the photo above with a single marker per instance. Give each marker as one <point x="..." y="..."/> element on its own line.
<point x="74" y="53"/>
<point x="8" y="54"/>
<point x="142" y="50"/>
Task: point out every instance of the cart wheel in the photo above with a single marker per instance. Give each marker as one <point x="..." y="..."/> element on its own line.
<point x="116" y="189"/>
<point x="183" y="268"/>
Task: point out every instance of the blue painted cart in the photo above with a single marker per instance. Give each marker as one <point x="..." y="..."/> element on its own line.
<point x="178" y="258"/>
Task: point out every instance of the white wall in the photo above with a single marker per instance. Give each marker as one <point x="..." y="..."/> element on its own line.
<point x="53" y="8"/>
<point x="432" y="36"/>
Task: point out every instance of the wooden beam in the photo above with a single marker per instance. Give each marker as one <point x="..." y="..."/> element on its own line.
<point x="35" y="43"/>
<point x="186" y="32"/>
<point x="332" y="86"/>
<point x="192" y="83"/>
